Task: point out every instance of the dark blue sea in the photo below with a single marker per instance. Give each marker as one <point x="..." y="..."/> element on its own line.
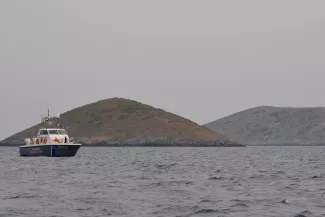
<point x="165" y="182"/>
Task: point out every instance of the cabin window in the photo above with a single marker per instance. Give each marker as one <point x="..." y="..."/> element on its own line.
<point x="44" y="132"/>
<point x="55" y="132"/>
<point x="62" y="132"/>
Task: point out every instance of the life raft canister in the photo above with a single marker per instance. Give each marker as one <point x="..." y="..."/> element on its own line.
<point x="37" y="141"/>
<point x="45" y="140"/>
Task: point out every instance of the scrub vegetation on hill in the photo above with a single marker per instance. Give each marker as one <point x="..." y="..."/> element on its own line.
<point x="118" y="119"/>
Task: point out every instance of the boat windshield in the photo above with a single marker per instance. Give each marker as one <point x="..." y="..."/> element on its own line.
<point x="44" y="132"/>
<point x="62" y="132"/>
<point x="53" y="132"/>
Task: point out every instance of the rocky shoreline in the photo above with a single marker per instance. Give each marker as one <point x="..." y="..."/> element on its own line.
<point x="150" y="142"/>
<point x="163" y="142"/>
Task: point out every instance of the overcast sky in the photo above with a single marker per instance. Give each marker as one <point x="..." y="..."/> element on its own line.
<point x="200" y="59"/>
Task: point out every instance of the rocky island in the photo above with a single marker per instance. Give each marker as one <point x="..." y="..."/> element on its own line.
<point x="268" y="125"/>
<point x="125" y="122"/>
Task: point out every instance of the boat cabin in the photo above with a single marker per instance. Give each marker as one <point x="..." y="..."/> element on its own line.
<point x="49" y="135"/>
<point x="53" y="134"/>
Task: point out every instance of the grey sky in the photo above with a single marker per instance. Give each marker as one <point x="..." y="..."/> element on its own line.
<point x="199" y="59"/>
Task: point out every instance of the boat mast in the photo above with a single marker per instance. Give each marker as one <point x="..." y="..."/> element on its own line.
<point x="46" y="119"/>
<point x="42" y="121"/>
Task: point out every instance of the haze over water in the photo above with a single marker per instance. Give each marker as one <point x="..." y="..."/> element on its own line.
<point x="176" y="182"/>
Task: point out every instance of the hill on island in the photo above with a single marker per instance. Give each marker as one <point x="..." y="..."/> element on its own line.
<point x="118" y="119"/>
<point x="273" y="125"/>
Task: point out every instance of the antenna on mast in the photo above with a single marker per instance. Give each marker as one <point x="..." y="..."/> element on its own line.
<point x="42" y="120"/>
<point x="46" y="119"/>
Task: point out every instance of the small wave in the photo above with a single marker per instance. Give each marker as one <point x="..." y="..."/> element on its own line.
<point x="263" y="171"/>
<point x="164" y="166"/>
<point x="199" y="211"/>
<point x="241" y="205"/>
<point x="186" y="182"/>
<point x="143" y="177"/>
<point x="280" y="172"/>
<point x="284" y="201"/>
<point x="216" y="178"/>
<point x="156" y="184"/>
<point x="84" y="209"/>
<point x="238" y="201"/>
<point x="21" y="196"/>
<point x="172" y="182"/>
<point x="204" y="211"/>
<point x="107" y="211"/>
<point x="305" y="214"/>
<point x="316" y="177"/>
<point x="291" y="187"/>
<point x="256" y="177"/>
<point x="205" y="201"/>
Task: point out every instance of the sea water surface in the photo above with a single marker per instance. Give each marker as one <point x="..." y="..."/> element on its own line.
<point x="165" y="181"/>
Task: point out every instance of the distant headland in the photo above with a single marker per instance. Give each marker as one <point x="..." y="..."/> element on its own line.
<point x="125" y="122"/>
<point x="276" y="126"/>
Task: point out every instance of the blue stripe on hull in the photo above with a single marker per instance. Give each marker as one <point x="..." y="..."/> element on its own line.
<point x="50" y="150"/>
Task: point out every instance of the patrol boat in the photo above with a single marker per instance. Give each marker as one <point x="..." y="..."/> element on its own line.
<point x="49" y="142"/>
